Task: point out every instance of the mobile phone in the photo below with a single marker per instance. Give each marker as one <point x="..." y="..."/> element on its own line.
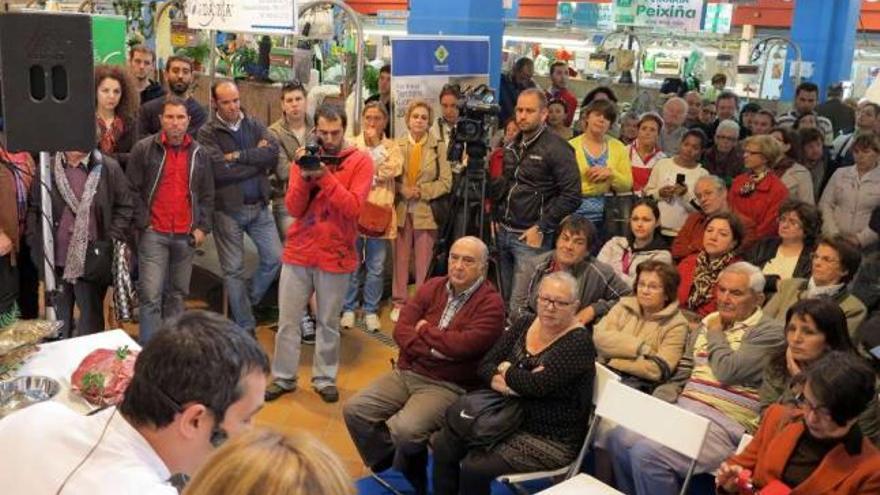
<point x="679" y="179"/>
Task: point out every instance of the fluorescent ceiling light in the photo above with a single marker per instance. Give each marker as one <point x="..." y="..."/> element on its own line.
<point x="384" y="32"/>
<point x="549" y="42"/>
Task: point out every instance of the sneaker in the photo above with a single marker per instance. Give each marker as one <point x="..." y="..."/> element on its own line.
<point x="307" y="327"/>
<point x="329" y="393"/>
<point x="276" y="389"/>
<point x="372" y="322"/>
<point x="395" y="314"/>
<point x="347" y="320"/>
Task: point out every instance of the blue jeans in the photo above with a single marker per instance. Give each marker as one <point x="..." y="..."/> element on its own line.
<point x="294" y="290"/>
<point x="371" y="257"/>
<point x="514" y="260"/>
<point x="160" y="256"/>
<point x="229" y="228"/>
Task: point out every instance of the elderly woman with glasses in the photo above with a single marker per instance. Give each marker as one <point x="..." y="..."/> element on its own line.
<point x="643" y="336"/>
<point x="725" y="158"/>
<point x="835" y="262"/>
<point x="758" y="193"/>
<point x="548" y="363"/>
<point x="813" y="446"/>
<point x="790" y="252"/>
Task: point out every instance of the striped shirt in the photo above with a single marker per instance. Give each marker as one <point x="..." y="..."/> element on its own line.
<point x="737" y="402"/>
<point x="788" y="120"/>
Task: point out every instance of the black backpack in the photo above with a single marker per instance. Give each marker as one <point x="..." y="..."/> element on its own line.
<point x="484" y="417"/>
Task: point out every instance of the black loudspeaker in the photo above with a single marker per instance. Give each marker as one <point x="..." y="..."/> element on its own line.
<point x="47" y="81"/>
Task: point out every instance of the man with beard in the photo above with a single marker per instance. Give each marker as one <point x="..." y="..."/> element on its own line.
<point x="140" y="65"/>
<point x="179" y="75"/>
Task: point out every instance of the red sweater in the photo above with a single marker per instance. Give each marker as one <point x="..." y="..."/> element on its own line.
<point x="687" y="268"/>
<point x="472" y="332"/>
<point x="171" y="211"/>
<point x="690" y="238"/>
<point x="326" y="212"/>
<point x="762" y="206"/>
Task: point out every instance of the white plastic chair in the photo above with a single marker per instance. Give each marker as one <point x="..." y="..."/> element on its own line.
<point x="654" y="419"/>
<point x="603" y="377"/>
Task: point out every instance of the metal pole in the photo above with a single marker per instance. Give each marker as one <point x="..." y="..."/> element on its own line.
<point x="49" y="285"/>
<point x="212" y="68"/>
<point x="359" y="53"/>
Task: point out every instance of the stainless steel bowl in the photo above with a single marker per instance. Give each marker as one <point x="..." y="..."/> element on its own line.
<point x="25" y="391"/>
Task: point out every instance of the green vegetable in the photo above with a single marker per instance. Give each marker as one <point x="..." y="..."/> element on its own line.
<point x="122" y="353"/>
<point x="93" y="381"/>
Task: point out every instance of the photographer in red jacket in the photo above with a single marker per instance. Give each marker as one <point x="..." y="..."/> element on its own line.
<point x="325" y="193"/>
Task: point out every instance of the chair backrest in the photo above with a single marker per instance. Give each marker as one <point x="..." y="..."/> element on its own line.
<point x="662" y="422"/>
<point x="603" y="376"/>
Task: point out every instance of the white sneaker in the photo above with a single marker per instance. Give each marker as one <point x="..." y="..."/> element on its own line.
<point x="395" y="314"/>
<point x="372" y="322"/>
<point x="347" y="320"/>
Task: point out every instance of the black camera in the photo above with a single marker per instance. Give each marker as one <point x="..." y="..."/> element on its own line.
<point x="478" y="116"/>
<point x="313" y="158"/>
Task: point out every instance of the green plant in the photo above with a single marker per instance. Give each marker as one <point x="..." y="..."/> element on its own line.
<point x="198" y="53"/>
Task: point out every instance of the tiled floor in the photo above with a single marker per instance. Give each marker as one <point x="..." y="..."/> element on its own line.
<point x="363" y="358"/>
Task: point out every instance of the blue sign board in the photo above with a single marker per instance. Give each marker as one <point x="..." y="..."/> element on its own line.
<point x="439" y="57"/>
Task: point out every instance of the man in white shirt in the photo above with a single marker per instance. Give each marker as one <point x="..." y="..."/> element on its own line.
<point x="198" y="380"/>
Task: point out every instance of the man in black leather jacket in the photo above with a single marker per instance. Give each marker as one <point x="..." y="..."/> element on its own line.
<point x="540" y="185"/>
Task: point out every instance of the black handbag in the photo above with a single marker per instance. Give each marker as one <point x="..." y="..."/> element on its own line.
<point x="484" y="417"/>
<point x="98" y="263"/>
<point x="642" y="384"/>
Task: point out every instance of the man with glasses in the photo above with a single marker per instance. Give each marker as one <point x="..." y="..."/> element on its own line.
<point x="319" y="251"/>
<point x="242" y="153"/>
<point x="599" y="286"/>
<point x="717" y="378"/>
<point x="443" y="333"/>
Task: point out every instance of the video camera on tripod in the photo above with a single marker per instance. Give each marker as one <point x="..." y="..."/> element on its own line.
<point x="478" y="117"/>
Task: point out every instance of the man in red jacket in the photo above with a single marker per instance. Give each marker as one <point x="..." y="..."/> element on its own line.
<point x="319" y="253"/>
<point x="443" y="333"/>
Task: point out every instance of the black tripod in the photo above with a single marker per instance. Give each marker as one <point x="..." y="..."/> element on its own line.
<point x="467" y="215"/>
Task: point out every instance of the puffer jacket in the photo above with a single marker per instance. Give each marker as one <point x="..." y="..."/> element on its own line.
<point x="435" y="180"/>
<point x="617" y="248"/>
<point x="326" y="210"/>
<point x="387" y="167"/>
<point x="540" y="183"/>
<point x="619" y="335"/>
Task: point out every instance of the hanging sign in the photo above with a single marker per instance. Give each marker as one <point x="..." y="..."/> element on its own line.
<point x="244" y="16"/>
<point x="684" y="15"/>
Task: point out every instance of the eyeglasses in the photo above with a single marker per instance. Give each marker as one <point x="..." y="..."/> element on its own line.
<point x="801" y="401"/>
<point x="825" y="259"/>
<point x="649" y="287"/>
<point x="751" y="152"/>
<point x="725" y="138"/>
<point x="554" y="303"/>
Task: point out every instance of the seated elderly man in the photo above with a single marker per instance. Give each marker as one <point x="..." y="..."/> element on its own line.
<point x="599" y="286"/>
<point x="711" y="194"/>
<point x="197" y="381"/>
<point x="443" y="333"/>
<point x="718" y="378"/>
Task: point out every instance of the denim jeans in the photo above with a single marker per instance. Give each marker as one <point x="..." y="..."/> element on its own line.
<point x="229" y="228"/>
<point x="371" y="255"/>
<point x="283" y="220"/>
<point x="165" y="267"/>
<point x="514" y="260"/>
<point x="294" y="289"/>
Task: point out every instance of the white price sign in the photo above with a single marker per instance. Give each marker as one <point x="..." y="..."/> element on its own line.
<point x="243" y="16"/>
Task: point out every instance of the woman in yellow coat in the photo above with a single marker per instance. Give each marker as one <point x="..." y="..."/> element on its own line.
<point x="604" y="166"/>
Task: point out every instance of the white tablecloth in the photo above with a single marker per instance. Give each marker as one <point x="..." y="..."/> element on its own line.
<point x="59" y="359"/>
<point x="581" y="484"/>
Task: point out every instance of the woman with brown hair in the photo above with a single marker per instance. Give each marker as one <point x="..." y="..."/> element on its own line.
<point x="265" y="462"/>
<point x="115" y="108"/>
<point x="426" y="176"/>
<point x="795" y="176"/>
<point x="699" y="272"/>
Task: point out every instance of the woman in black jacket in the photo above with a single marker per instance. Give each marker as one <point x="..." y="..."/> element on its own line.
<point x="548" y="365"/>
<point x="789" y="253"/>
<point x="115" y="109"/>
